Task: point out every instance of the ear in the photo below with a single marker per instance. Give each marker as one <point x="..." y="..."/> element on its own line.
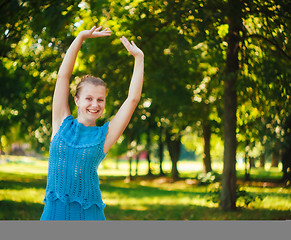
<point x="76" y="100"/>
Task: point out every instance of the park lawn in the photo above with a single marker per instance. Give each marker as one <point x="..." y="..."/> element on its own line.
<point x="23" y="181"/>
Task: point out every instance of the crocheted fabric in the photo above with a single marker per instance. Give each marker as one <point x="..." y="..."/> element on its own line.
<point x="58" y="211"/>
<point x="75" y="154"/>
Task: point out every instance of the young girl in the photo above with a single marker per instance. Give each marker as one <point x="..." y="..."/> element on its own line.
<point x="78" y="145"/>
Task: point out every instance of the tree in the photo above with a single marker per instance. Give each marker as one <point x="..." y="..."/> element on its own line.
<point x="150" y="22"/>
<point x="161" y="150"/>
<point x="174" y="146"/>
<point x="286" y="153"/>
<point x="265" y="85"/>
<point x="252" y="53"/>
<point x="31" y="43"/>
<point x="228" y="193"/>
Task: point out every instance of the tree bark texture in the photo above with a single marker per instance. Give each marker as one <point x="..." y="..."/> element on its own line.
<point x="286" y="153"/>
<point x="252" y="162"/>
<point x="137" y="156"/>
<point x="130" y="169"/>
<point x="174" y="147"/>
<point x="275" y="159"/>
<point x="228" y="193"/>
<point x="136" y="164"/>
<point x="286" y="166"/>
<point x="206" y="144"/>
<point x="149" y="152"/>
<point x="131" y="138"/>
<point x="161" y="153"/>
<point x="247" y="167"/>
<point x="262" y="160"/>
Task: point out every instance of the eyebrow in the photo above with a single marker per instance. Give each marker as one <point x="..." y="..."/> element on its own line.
<point x="93" y="96"/>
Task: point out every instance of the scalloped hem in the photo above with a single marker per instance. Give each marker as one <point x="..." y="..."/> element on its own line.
<point x="52" y="196"/>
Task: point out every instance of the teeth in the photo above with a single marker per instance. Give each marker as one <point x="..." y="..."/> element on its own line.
<point x="93" y="111"/>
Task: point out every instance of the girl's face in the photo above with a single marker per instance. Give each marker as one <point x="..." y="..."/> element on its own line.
<point x="91" y="103"/>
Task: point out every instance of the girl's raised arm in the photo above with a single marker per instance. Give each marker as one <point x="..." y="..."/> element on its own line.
<point x="61" y="94"/>
<point x="120" y="121"/>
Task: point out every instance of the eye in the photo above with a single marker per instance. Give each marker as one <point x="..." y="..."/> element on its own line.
<point x="89" y="98"/>
<point x="100" y="100"/>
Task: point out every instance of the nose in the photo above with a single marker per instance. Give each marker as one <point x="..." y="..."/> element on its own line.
<point x="95" y="103"/>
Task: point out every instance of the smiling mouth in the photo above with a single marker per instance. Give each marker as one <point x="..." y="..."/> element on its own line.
<point x="93" y="111"/>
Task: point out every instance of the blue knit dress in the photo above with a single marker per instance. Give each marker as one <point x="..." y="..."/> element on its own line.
<point x="73" y="191"/>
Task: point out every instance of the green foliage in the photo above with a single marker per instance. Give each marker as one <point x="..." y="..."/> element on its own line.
<point x="30" y="53"/>
<point x="243" y="198"/>
<point x="264" y="85"/>
<point x="119" y="149"/>
<point x="185" y="46"/>
<point x="206" y="178"/>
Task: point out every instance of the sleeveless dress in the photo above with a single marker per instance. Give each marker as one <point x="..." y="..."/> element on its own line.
<point x="72" y="191"/>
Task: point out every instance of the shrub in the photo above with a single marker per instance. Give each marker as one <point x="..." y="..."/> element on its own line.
<point x="206" y="178"/>
<point x="243" y="198"/>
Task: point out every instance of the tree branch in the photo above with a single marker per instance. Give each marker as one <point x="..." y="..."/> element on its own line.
<point x="274" y="43"/>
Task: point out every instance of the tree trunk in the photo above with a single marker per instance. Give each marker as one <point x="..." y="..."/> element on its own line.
<point x="286" y="165"/>
<point x="247" y="168"/>
<point x="228" y="193"/>
<point x="130" y="153"/>
<point x="206" y="145"/>
<point x="149" y="152"/>
<point x="136" y="164"/>
<point x="161" y="152"/>
<point x="174" y="147"/>
<point x="286" y="153"/>
<point x="275" y="159"/>
<point x="130" y="169"/>
<point x="262" y="160"/>
<point x="252" y="162"/>
<point x="137" y="156"/>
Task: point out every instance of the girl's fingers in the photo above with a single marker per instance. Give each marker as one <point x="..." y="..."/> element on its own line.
<point x="125" y="43"/>
<point x="122" y="39"/>
<point x="131" y="47"/>
<point x="93" y="29"/>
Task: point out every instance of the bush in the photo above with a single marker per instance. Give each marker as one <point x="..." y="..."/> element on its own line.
<point x="243" y="198"/>
<point x="206" y="178"/>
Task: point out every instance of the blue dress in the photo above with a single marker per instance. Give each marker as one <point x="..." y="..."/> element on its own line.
<point x="72" y="191"/>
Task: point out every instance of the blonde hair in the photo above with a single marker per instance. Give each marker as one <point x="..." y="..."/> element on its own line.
<point x="89" y="79"/>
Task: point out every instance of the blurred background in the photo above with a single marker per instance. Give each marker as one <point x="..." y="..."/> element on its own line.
<point x="211" y="133"/>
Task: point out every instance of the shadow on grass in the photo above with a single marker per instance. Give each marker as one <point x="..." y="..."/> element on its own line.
<point x="18" y="182"/>
<point x="191" y="212"/>
<point x="10" y="210"/>
<point x="32" y="211"/>
<point x="138" y="191"/>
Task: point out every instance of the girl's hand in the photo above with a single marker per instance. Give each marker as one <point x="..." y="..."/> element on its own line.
<point x="131" y="47"/>
<point x="95" y="32"/>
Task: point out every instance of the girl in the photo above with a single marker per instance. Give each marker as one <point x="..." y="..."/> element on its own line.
<point x="78" y="145"/>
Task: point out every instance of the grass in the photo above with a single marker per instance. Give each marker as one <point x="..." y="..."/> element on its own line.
<point x="23" y="181"/>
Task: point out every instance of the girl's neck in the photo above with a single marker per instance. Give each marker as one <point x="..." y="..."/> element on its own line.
<point x="86" y="122"/>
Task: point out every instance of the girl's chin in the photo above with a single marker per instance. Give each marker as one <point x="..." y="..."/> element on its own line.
<point x="90" y="115"/>
<point x="93" y="116"/>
